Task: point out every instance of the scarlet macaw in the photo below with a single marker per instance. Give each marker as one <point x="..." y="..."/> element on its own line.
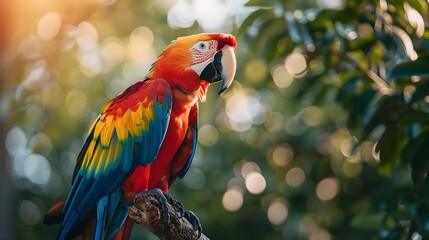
<point x="144" y="138"/>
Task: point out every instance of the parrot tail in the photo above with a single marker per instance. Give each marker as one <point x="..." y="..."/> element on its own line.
<point x="125" y="231"/>
<point x="87" y="230"/>
<point x="54" y="214"/>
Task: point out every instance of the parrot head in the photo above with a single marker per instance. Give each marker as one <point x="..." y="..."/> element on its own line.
<point x="191" y="63"/>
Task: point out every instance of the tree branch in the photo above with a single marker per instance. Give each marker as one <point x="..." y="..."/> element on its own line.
<point x="381" y="84"/>
<point x="147" y="212"/>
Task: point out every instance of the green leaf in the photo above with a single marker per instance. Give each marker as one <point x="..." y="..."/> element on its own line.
<point x="277" y="45"/>
<point x="419" y="5"/>
<point x="413" y="117"/>
<point x="350" y="80"/>
<point x="362" y="43"/>
<point x="420" y="162"/>
<point x="267" y="28"/>
<point x="368" y="221"/>
<point x="389" y="146"/>
<point x="421" y="92"/>
<point x="411" y="68"/>
<point x="292" y="27"/>
<point x="260" y="3"/>
<point x="250" y="20"/>
<point x="398" y="232"/>
<point x="412" y="147"/>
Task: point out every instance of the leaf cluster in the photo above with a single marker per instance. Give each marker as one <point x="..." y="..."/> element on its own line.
<point x="374" y="61"/>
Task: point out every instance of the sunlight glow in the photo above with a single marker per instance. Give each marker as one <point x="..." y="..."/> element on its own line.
<point x="48" y="26"/>
<point x="211" y="15"/>
<point x="179" y="17"/>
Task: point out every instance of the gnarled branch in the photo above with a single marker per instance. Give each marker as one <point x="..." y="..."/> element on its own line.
<point x="147" y="212"/>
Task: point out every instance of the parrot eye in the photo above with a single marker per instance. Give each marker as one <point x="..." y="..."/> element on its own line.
<point x="202" y="47"/>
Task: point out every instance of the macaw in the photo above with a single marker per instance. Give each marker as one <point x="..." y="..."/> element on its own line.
<point x="144" y="138"/>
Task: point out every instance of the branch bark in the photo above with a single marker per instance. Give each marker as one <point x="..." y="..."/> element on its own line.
<point x="147" y="212"/>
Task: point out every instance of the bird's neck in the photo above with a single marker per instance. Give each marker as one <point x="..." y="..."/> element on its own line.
<point x="182" y="100"/>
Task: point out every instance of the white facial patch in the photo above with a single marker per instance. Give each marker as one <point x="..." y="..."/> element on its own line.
<point x="202" y="54"/>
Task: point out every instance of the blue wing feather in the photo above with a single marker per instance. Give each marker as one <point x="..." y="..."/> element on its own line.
<point x="99" y="176"/>
<point x="194" y="143"/>
<point x="183" y="158"/>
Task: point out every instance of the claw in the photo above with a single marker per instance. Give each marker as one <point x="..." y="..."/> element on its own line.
<point x="162" y="199"/>
<point x="178" y="206"/>
<point x="193" y="219"/>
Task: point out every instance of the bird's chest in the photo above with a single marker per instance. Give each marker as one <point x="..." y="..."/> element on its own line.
<point x="156" y="174"/>
<point x="176" y="132"/>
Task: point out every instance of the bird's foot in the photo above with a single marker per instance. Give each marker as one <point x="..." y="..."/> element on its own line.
<point x="195" y="222"/>
<point x="178" y="206"/>
<point x="163" y="201"/>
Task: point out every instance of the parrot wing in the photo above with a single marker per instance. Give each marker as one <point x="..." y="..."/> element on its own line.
<point x="183" y="158"/>
<point x="128" y="132"/>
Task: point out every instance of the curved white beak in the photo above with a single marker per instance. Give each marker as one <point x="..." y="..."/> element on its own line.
<point x="221" y="68"/>
<point x="229" y="65"/>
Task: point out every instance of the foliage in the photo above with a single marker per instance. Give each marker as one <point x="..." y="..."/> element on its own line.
<point x="371" y="57"/>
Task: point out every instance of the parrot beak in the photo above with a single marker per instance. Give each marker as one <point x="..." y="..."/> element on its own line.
<point x="222" y="68"/>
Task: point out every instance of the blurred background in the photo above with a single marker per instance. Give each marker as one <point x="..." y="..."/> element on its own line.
<point x="322" y="135"/>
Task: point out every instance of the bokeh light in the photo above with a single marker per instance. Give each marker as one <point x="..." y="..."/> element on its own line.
<point x="415" y="19"/>
<point x="208" y="135"/>
<point x="232" y="199"/>
<point x="282" y="154"/>
<point x="255" y="70"/>
<point x="295" y="177"/>
<point x="29" y="212"/>
<point x="243" y="108"/>
<point x="277" y="212"/>
<point x="327" y="189"/>
<point x="48" y="26"/>
<point x="281" y="76"/>
<point x="296" y="64"/>
<point x="113" y="51"/>
<point x="249" y="167"/>
<point x="352" y="168"/>
<point x="36" y="168"/>
<point x="211" y="15"/>
<point x="320" y="234"/>
<point x="255" y="182"/>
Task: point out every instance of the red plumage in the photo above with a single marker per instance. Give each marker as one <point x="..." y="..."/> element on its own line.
<point x="131" y="147"/>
